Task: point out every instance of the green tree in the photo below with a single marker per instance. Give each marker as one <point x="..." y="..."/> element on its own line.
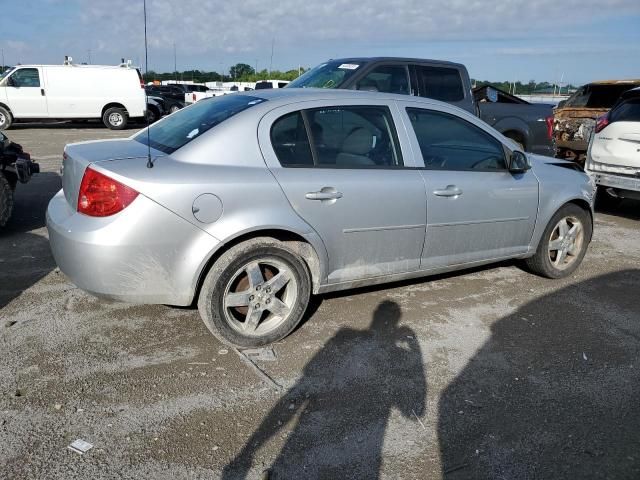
<point x="241" y="70"/>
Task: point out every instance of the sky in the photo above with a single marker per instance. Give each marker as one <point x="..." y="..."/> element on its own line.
<point x="574" y="41"/>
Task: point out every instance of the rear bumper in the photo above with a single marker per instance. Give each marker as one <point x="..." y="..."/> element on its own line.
<point x="145" y="254"/>
<point x="616" y="181"/>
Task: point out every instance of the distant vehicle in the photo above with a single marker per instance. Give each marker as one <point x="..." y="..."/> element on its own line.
<point x="113" y="94"/>
<point x="339" y="189"/>
<point x="172" y="97"/>
<point x="155" y="108"/>
<point x="266" y="84"/>
<point x="613" y="157"/>
<point x="189" y="87"/>
<point x="575" y="118"/>
<point x="15" y="167"/>
<point x="527" y="124"/>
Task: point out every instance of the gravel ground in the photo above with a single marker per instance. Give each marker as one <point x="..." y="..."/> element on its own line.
<point x="488" y="373"/>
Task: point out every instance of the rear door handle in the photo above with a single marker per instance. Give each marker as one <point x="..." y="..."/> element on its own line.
<point x="323" y="195"/>
<point x="42" y="92"/>
<point x="450" y="191"/>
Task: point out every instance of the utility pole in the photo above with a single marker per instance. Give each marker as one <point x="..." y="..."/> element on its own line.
<point x="256" y="70"/>
<point x="175" y="63"/>
<point x="273" y="41"/>
<point x="2" y="61"/>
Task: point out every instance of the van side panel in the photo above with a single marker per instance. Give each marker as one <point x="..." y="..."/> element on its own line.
<point x="83" y="91"/>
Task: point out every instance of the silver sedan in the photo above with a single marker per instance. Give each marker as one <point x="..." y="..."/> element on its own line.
<point x="247" y="204"/>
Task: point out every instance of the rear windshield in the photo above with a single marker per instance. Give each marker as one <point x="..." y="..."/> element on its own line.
<point x="597" y="96"/>
<point x="627" y="111"/>
<point x="326" y="75"/>
<point x="185" y="125"/>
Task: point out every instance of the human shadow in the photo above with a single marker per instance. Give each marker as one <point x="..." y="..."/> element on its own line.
<point x="25" y="256"/>
<point x="555" y="391"/>
<point x="342" y="404"/>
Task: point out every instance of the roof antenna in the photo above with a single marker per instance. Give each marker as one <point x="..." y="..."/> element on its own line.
<point x="146" y="72"/>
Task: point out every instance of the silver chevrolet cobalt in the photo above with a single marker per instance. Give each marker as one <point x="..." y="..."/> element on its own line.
<point x="249" y="203"/>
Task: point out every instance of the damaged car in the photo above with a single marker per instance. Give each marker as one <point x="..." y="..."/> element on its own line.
<point x="575" y="118"/>
<point x="15" y="167"/>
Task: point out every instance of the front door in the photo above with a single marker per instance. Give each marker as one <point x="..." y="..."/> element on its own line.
<point x="476" y="209"/>
<point x="343" y="171"/>
<point x="26" y="93"/>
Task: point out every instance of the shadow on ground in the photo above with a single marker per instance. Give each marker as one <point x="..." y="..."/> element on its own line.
<point x="342" y="403"/>
<point x="24" y="255"/>
<point x="555" y="391"/>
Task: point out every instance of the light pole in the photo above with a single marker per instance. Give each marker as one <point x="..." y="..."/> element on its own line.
<point x="175" y="63"/>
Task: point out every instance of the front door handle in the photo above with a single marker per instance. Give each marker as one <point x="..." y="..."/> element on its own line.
<point x="450" y="191"/>
<point x="42" y="92"/>
<point x="323" y="195"/>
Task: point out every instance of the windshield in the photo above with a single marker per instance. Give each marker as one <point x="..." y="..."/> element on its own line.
<point x="6" y="73"/>
<point x="326" y="75"/>
<point x="189" y="123"/>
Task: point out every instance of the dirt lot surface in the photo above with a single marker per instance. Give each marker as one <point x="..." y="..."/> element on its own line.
<point x="490" y="373"/>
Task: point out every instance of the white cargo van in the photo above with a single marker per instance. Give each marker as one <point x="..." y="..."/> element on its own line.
<point x="36" y="92"/>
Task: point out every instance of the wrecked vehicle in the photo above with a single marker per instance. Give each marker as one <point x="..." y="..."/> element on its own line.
<point x="15" y="166"/>
<point x="575" y="118"/>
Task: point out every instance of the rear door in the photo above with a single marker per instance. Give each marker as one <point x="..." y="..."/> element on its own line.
<point x="26" y="93"/>
<point x="619" y="142"/>
<point x="476" y="209"/>
<point x="447" y="83"/>
<point x="347" y="171"/>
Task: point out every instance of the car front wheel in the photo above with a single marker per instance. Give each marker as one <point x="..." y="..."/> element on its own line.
<point x="255" y="293"/>
<point x="564" y="243"/>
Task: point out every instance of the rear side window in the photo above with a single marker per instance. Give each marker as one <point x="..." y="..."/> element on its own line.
<point x="25" y="77"/>
<point x="386" y="78"/>
<point x="628" y="111"/>
<point x="440" y="83"/>
<point x="340" y="137"/>
<point x="448" y="142"/>
<point x="189" y="123"/>
<point x="597" y="96"/>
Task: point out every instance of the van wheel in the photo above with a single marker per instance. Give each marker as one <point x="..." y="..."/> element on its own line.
<point x="5" y="118"/>
<point x="564" y="243"/>
<point x="255" y="294"/>
<point x="6" y="200"/>
<point x="115" y="118"/>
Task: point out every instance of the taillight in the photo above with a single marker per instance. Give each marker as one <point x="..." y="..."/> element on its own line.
<point x="549" y="122"/>
<point x="601" y="122"/>
<point x="193" y="97"/>
<point x="101" y="196"/>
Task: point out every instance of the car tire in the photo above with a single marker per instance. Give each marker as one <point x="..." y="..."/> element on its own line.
<point x="605" y="200"/>
<point x="552" y="262"/>
<point x="243" y="300"/>
<point x="115" y="118"/>
<point x="6" y="200"/>
<point x="174" y="108"/>
<point x="5" y="118"/>
<point x="153" y="115"/>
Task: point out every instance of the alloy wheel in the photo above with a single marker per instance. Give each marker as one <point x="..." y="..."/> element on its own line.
<point x="565" y="242"/>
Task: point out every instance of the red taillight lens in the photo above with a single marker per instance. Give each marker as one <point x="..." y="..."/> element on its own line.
<point x="193" y="97"/>
<point x="601" y="122"/>
<point x="101" y="196"/>
<point x="549" y="122"/>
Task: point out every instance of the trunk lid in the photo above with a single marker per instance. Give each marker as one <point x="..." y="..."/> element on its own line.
<point x="78" y="156"/>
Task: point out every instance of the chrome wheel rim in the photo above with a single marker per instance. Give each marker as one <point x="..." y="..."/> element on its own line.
<point x="3" y="119"/>
<point x="565" y="242"/>
<point x="260" y="297"/>
<point x="174" y="109"/>
<point x="115" y="119"/>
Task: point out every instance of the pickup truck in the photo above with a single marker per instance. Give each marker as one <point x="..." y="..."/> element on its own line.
<point x="530" y="125"/>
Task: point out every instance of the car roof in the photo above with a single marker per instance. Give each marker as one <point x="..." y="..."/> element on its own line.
<point x="394" y="59"/>
<point x="616" y="82"/>
<point x="286" y="96"/>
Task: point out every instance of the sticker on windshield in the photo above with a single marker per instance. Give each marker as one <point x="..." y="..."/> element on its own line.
<point x="349" y="66"/>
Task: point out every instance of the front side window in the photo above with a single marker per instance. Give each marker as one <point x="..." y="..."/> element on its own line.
<point x="340" y="137"/>
<point x="187" y="124"/>
<point x="386" y="78"/>
<point x="440" y="83"/>
<point x="327" y="75"/>
<point x="448" y="142"/>
<point x="25" y="77"/>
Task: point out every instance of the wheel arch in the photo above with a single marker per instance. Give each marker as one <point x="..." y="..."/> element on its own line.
<point x="113" y="105"/>
<point x="302" y="245"/>
<point x="541" y="226"/>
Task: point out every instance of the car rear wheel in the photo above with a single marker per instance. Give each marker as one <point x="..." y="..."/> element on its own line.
<point x="564" y="243"/>
<point x="255" y="294"/>
<point x="5" y="118"/>
<point x="6" y="200"/>
<point x="115" y="118"/>
<point x="174" y="108"/>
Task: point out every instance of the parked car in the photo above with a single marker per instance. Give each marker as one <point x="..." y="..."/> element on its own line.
<point x="575" y="117"/>
<point x="257" y="200"/>
<point x="155" y="108"/>
<point x="527" y="124"/>
<point x="172" y="98"/>
<point x="113" y="94"/>
<point x="266" y="84"/>
<point x="15" y="167"/>
<point x="613" y="157"/>
<point x="189" y="87"/>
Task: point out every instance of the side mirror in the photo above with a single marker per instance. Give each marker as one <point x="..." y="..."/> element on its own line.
<point x="492" y="95"/>
<point x="519" y="163"/>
